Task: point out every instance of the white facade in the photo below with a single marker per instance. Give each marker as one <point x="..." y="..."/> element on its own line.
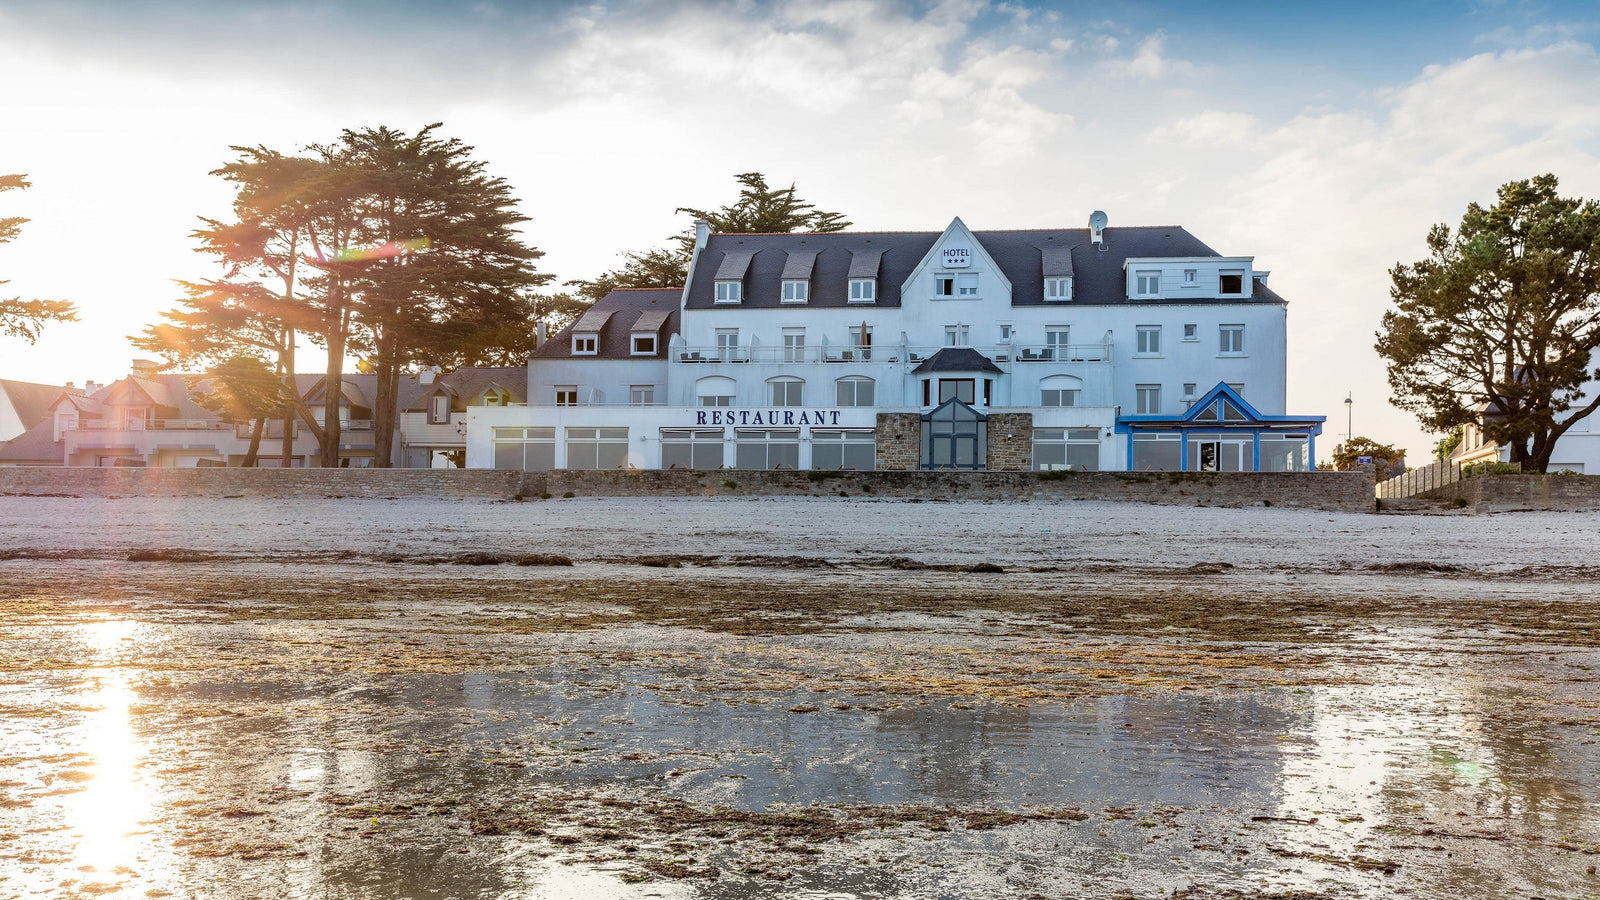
<point x="783" y="332"/>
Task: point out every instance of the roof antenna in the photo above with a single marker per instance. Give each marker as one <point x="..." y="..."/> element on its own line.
<point x="1097" y="229"/>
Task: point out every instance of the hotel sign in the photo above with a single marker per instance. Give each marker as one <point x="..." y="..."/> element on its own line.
<point x="957" y="257"/>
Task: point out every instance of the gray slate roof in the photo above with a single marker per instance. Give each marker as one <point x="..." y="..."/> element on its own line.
<point x="625" y="308"/>
<point x="34" y="446"/>
<point x="467" y="382"/>
<point x="1098" y="277"/>
<point x="31" y="401"/>
<point x="957" y="359"/>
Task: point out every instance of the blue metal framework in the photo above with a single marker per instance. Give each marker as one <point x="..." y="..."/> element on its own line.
<point x="1209" y="415"/>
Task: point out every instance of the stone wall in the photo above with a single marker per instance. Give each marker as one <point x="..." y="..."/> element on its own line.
<point x="899" y="437"/>
<point x="1501" y="493"/>
<point x="235" y="482"/>
<point x="1010" y="442"/>
<point x="1349" y="491"/>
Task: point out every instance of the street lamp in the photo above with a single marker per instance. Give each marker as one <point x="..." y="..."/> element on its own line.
<point x="1349" y="418"/>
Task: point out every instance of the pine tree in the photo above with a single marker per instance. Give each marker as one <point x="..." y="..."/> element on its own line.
<point x="18" y="317"/>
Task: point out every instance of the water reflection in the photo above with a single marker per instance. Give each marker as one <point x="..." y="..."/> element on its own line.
<point x="105" y="816"/>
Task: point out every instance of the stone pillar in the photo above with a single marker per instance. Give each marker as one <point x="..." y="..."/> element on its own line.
<point x="1010" y="444"/>
<point x="899" y="439"/>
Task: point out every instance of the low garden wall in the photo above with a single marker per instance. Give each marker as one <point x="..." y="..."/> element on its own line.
<point x="1350" y="491"/>
<point x="1501" y="493"/>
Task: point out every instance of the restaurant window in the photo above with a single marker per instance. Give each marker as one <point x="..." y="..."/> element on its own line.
<point x="691" y="448"/>
<point x="527" y="449"/>
<point x="855" y="449"/>
<point x="767" y="448"/>
<point x="597" y="448"/>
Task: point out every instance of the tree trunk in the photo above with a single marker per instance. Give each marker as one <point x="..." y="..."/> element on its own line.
<point x="333" y="388"/>
<point x="255" y="443"/>
<point x="293" y="393"/>
<point x="385" y="403"/>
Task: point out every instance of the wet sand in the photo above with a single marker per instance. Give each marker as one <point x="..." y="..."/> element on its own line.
<point x="835" y="698"/>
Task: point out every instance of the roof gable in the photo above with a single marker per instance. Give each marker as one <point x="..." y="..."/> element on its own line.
<point x="958" y="233"/>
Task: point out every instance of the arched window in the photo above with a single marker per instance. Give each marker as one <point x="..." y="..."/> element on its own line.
<point x="714" y="390"/>
<point x="856" y="390"/>
<point x="785" y="390"/>
<point x="1060" y="390"/>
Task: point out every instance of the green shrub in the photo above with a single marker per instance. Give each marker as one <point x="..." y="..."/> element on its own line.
<point x="1488" y="467"/>
<point x="569" y="494"/>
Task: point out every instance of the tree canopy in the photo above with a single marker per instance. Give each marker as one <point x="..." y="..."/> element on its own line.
<point x="21" y="318"/>
<point x="1501" y="323"/>
<point x="760" y="209"/>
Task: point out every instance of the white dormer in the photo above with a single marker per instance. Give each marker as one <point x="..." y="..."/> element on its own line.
<point x="585" y="344"/>
<point x="1056" y="268"/>
<point x="1189" y="278"/>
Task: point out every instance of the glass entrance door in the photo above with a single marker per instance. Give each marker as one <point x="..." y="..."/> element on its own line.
<point x="954" y="436"/>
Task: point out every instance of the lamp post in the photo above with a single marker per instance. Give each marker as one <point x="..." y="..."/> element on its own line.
<point x="1349" y="419"/>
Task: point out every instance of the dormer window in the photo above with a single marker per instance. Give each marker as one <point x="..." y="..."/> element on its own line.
<point x="1147" y="283"/>
<point x="796" y="291"/>
<point x="643" y="345"/>
<point x="439" y="409"/>
<point x="1057" y="289"/>
<point x="730" y="291"/>
<point x="585" y="344"/>
<point x="863" y="290"/>
<point x="1230" y="282"/>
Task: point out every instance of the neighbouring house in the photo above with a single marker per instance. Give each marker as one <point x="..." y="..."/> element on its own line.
<point x="1091" y="348"/>
<point x="434" y="422"/>
<point x="151" y="418"/>
<point x="24" y="404"/>
<point x="1576" y="451"/>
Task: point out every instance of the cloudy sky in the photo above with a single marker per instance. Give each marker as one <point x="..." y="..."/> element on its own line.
<point x="1323" y="139"/>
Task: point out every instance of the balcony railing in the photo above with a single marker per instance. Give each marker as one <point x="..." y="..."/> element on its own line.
<point x="153" y="425"/>
<point x="1000" y="353"/>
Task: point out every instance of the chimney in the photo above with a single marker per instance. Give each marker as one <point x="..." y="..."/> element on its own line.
<point x="427" y="374"/>
<point x="702" y="233"/>
<point x="89" y="387"/>
<point x="145" y="367"/>
<point x="539" y="335"/>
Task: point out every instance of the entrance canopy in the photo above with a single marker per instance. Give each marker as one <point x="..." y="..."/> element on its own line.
<point x="1221" y="432"/>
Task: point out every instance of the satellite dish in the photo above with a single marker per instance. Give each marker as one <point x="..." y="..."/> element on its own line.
<point x="1097" y="226"/>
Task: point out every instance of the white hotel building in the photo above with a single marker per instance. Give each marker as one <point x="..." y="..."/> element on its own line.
<point x="1091" y="348"/>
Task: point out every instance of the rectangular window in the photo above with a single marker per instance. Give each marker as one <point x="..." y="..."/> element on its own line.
<point x="728" y="344"/>
<point x="644" y="345"/>
<point x="1147" y="284"/>
<point x="1005" y="333"/>
<point x="856" y="391"/>
<point x="585" y="344"/>
<point x="1077" y="449"/>
<point x="597" y="448"/>
<point x="729" y="291"/>
<point x="1191" y="277"/>
<point x="944" y="285"/>
<point x="1191" y="332"/>
<point x="1059" y="397"/>
<point x="863" y="290"/>
<point x="785" y="392"/>
<point x="967" y="284"/>
<point x="691" y="448"/>
<point x="528" y="449"/>
<point x="1231" y="339"/>
<point x="1285" y="453"/>
<point x="642" y="394"/>
<point x="955" y="335"/>
<point x="1055" y="342"/>
<point x="1149" y="340"/>
<point x="1147" y="399"/>
<point x="956" y="389"/>
<point x="1156" y="453"/>
<point x="1230" y="283"/>
<point x="566" y="395"/>
<point x="1058" y="289"/>
<point x="1188" y="397"/>
<point x="795" y="291"/>
<point x="766" y="449"/>
<point x="794" y="345"/>
<point x="439" y="410"/>
<point x="1237" y="387"/>
<point x="716" y="400"/>
<point x="845" y="449"/>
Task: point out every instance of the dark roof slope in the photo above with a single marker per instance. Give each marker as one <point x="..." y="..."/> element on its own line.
<point x="35" y="446"/>
<point x="468" y="382"/>
<point x="957" y="359"/>
<point x="623" y="308"/>
<point x="1098" y="276"/>
<point x="31" y="401"/>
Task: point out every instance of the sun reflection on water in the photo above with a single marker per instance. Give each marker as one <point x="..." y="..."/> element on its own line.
<point x="106" y="815"/>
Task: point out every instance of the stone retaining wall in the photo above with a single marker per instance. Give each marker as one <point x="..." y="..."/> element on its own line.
<point x="1501" y="493"/>
<point x="1350" y="491"/>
